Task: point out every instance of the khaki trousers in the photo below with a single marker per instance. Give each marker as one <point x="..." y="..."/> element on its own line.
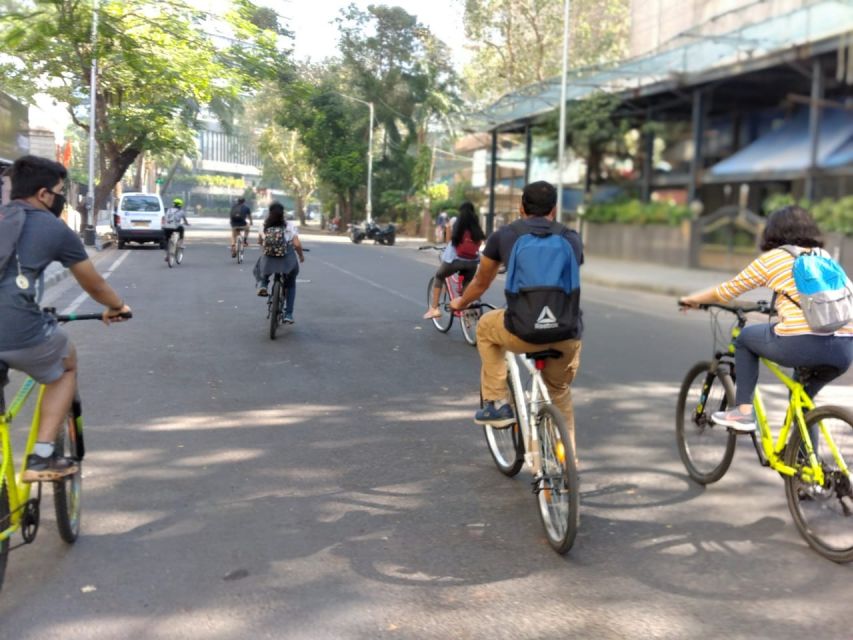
<point x="493" y="341"/>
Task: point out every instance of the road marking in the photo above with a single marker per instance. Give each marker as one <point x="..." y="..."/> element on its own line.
<point x="71" y="308"/>
<point x="367" y="281"/>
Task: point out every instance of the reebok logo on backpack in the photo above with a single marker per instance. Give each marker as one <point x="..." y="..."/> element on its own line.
<point x="542" y="286"/>
<point x="826" y="293"/>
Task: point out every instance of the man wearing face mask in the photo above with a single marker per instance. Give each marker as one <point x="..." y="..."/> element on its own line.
<point x="31" y="237"/>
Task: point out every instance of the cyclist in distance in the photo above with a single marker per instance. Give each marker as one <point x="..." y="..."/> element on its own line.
<point x="537" y="209"/>
<point x="462" y="254"/>
<point x="789" y="342"/>
<point x="279" y="241"/>
<point x="241" y="220"/>
<point x="31" y="237"/>
<point x="175" y="219"/>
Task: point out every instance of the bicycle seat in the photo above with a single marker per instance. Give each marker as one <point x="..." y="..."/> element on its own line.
<point x="821" y="373"/>
<point x="544" y="355"/>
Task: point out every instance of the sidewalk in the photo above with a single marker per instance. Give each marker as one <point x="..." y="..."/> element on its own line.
<point x="653" y="278"/>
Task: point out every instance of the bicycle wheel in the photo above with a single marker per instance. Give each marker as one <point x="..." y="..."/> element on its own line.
<point x="506" y="445"/>
<point x="179" y="253"/>
<point x="5" y="523"/>
<point x="275" y="307"/>
<point x="240" y="249"/>
<point x="557" y="491"/>
<point x="443" y="323"/>
<point x="706" y="449"/>
<point x="68" y="491"/>
<point x="470" y="318"/>
<point x="170" y="253"/>
<point x="824" y="513"/>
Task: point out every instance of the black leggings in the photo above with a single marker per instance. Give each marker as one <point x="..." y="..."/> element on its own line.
<point x="446" y="269"/>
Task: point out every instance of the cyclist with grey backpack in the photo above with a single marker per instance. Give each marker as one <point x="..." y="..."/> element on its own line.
<point x="542" y="290"/>
<point x="280" y="243"/>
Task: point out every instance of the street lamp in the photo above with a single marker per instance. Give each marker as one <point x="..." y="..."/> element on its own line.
<point x="562" y="134"/>
<point x="93" y="79"/>
<point x="369" y="157"/>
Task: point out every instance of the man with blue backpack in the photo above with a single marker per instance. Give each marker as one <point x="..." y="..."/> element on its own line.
<point x="542" y="290"/>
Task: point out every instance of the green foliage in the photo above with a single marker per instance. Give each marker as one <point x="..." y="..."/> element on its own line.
<point x="227" y="182"/>
<point x="520" y="42"/>
<point x="830" y="214"/>
<point x="157" y="68"/>
<point x="637" y="212"/>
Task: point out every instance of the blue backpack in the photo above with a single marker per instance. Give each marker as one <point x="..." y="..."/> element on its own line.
<point x="542" y="286"/>
<point x="826" y="293"/>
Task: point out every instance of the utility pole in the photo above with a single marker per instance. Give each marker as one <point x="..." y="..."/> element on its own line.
<point x="561" y="158"/>
<point x="369" y="208"/>
<point x="93" y="79"/>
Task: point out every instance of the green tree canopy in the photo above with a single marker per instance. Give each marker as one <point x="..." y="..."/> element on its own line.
<point x="158" y="67"/>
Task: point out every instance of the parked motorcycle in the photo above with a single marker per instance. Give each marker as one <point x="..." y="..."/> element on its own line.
<point x="382" y="234"/>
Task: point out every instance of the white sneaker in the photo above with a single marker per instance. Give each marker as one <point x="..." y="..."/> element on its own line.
<point x="735" y="420"/>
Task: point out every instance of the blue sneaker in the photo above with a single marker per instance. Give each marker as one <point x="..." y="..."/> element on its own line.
<point x="498" y="418"/>
<point x="288" y="319"/>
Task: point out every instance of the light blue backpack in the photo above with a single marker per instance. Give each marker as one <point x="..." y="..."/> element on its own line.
<point x="826" y="293"/>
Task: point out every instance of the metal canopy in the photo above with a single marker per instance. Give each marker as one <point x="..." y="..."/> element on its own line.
<point x="703" y="57"/>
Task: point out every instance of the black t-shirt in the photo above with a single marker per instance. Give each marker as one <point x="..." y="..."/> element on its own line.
<point x="239" y="214"/>
<point x="499" y="244"/>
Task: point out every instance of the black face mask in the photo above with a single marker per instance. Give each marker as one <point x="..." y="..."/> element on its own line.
<point x="58" y="204"/>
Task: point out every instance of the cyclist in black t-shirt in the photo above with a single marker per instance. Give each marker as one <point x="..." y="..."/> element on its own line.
<point x="241" y="220"/>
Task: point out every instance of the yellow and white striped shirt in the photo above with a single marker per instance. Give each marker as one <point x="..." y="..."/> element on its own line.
<point x="773" y="269"/>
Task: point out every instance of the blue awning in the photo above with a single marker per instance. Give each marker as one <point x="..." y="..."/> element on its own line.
<point x="785" y="152"/>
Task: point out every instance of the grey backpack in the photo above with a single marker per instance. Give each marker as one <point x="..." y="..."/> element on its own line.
<point x="12" y="216"/>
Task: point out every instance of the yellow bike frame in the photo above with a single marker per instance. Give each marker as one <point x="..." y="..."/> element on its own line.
<point x="18" y="492"/>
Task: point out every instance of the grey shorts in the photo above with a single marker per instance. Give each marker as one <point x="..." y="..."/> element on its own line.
<point x="44" y="361"/>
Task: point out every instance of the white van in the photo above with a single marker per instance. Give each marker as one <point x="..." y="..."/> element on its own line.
<point x="139" y="218"/>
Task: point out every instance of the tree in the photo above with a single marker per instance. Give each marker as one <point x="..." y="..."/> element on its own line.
<point x="286" y="157"/>
<point x="520" y="42"/>
<point x="157" y="69"/>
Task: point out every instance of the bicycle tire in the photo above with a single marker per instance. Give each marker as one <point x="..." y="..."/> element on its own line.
<point x="822" y="514"/>
<point x="561" y="516"/>
<point x="5" y="522"/>
<point x="506" y="445"/>
<point x="67" y="493"/>
<point x="239" y="249"/>
<point x="170" y="255"/>
<point x="706" y="449"/>
<point x="444" y="322"/>
<point x="469" y="321"/>
<point x="275" y="308"/>
<point x="179" y="254"/>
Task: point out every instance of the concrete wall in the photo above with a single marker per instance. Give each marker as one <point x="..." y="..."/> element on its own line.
<point x="841" y="248"/>
<point x="656" y="244"/>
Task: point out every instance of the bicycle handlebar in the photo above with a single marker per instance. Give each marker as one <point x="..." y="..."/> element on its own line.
<point x="761" y="306"/>
<point x="72" y="317"/>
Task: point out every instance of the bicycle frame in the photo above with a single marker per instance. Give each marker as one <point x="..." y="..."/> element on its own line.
<point x="527" y="404"/>
<point x="19" y="492"/>
<point x="799" y="403"/>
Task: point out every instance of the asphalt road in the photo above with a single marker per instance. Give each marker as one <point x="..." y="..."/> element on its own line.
<point x="331" y="484"/>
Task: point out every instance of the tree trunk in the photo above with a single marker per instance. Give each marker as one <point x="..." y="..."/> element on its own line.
<point x="115" y="167"/>
<point x="140" y="169"/>
<point x="171" y="175"/>
<point x="300" y="209"/>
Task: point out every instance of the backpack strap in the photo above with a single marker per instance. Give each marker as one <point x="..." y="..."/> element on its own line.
<point x="12" y="217"/>
<point x="796" y="252"/>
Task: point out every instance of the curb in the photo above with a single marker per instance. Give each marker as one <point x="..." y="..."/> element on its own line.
<point x="647" y="287"/>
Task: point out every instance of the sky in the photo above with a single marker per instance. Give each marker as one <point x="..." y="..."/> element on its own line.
<point x="315" y="35"/>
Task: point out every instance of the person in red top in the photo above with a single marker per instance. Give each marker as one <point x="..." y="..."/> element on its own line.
<point x="461" y="255"/>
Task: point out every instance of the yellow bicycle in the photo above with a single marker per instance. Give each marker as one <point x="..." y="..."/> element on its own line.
<point x="18" y="510"/>
<point x="810" y="451"/>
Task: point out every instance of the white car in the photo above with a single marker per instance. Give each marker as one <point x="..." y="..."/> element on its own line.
<point x="139" y="218"/>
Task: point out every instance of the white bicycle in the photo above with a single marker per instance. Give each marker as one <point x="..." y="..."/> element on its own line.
<point x="539" y="440"/>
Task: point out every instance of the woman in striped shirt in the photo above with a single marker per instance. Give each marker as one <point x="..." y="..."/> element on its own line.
<point x="789" y="342"/>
